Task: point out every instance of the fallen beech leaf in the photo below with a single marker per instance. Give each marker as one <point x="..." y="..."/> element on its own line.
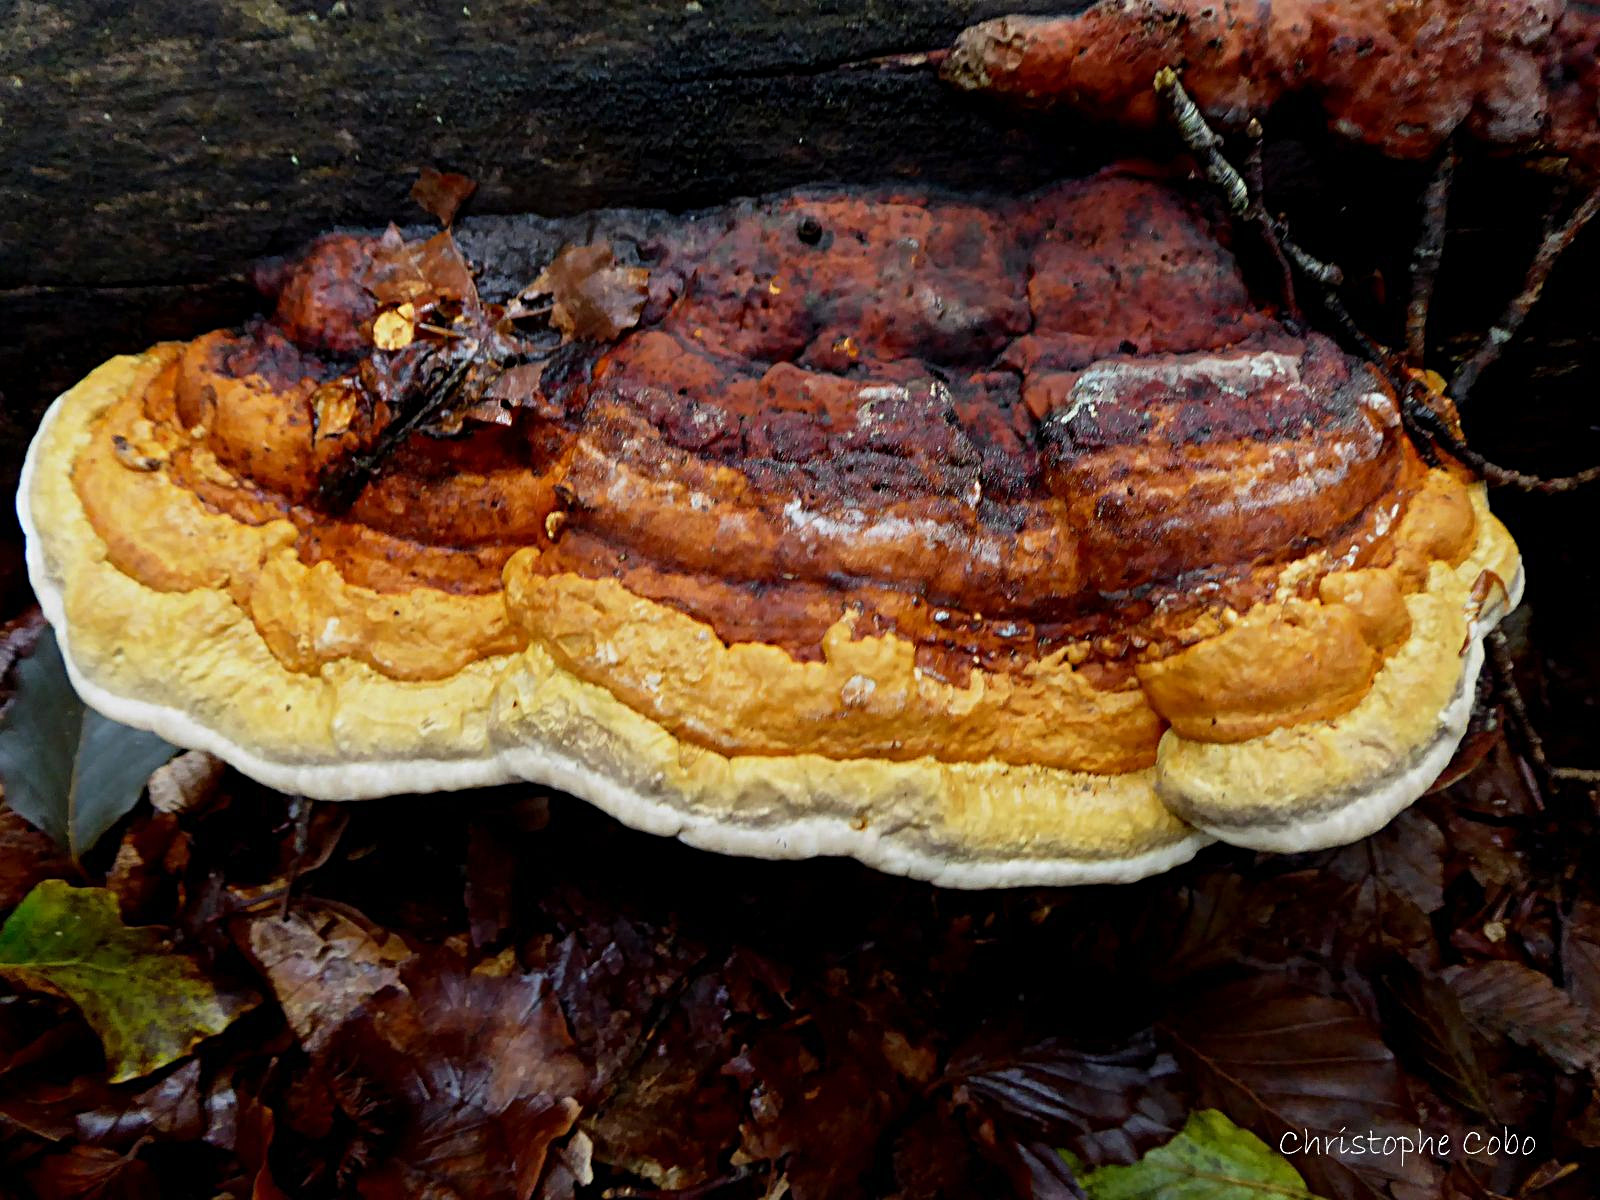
<point x="1048" y="1174"/>
<point x="1580" y="954"/>
<point x="442" y="193"/>
<point x="67" y="769"/>
<point x="172" y="1109"/>
<point x="1498" y="788"/>
<point x="322" y="966"/>
<point x="27" y="857"/>
<point x="1197" y="926"/>
<point x="1210" y="1159"/>
<point x="93" y="1173"/>
<point x="47" y="1109"/>
<point x="1105" y="1108"/>
<point x="595" y="299"/>
<point x="420" y="273"/>
<point x="1282" y="1060"/>
<point x="1493" y="852"/>
<point x="1523" y="1004"/>
<point x="1425" y="1021"/>
<point x="674" y="1115"/>
<point x="468" y="1077"/>
<point x="1404" y="858"/>
<point x="819" y="1100"/>
<point x="186" y="781"/>
<point x="148" y="1005"/>
<point x="1371" y="898"/>
<point x="609" y="976"/>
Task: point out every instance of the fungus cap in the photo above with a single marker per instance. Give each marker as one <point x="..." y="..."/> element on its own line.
<point x="988" y="542"/>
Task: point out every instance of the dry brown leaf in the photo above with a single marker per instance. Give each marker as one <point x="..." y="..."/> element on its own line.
<point x="1580" y="955"/>
<point x="596" y="300"/>
<point x="472" y="1074"/>
<point x="442" y="193"/>
<point x="27" y="857"/>
<point x="185" y="782"/>
<point x="173" y="1109"/>
<point x="93" y="1173"/>
<point x="420" y="273"/>
<point x="1279" y="1059"/>
<point x="1527" y="1007"/>
<point x="323" y="967"/>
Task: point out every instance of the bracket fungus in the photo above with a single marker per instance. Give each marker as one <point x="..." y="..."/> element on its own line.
<point x="1402" y="78"/>
<point x="989" y="541"/>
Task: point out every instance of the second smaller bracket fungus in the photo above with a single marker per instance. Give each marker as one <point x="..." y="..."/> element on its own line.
<point x="989" y="541"/>
<point x="1516" y="75"/>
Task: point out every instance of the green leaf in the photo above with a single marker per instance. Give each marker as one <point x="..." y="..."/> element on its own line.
<point x="1211" y="1158"/>
<point x="149" y="1005"/>
<point x="67" y="769"/>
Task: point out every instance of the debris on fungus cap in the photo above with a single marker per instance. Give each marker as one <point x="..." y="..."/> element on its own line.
<point x="991" y="542"/>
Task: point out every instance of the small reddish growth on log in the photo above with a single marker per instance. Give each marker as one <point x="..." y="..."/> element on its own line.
<point x="1399" y="77"/>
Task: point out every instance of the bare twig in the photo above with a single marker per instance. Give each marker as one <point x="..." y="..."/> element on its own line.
<point x="1255" y="172"/>
<point x="1505" y="678"/>
<point x="1422" y="415"/>
<point x="339" y="489"/>
<point x="1550" y="250"/>
<point x="1423" y="421"/>
<point x="300" y="814"/>
<point x="1577" y="774"/>
<point x="1204" y="142"/>
<point x="1206" y="145"/>
<point x="1426" y="256"/>
<point x="1256" y="178"/>
<point x="1506" y="684"/>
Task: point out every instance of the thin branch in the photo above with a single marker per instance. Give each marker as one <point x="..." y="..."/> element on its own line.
<point x="1204" y="142"/>
<point x="1206" y="145"/>
<point x="1421" y="418"/>
<point x="300" y="809"/>
<point x="1506" y="684"/>
<point x="341" y="487"/>
<point x="1256" y="178"/>
<point x="1577" y="774"/>
<point x="1426" y="256"/>
<point x="1553" y="246"/>
<point x="1424" y="417"/>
